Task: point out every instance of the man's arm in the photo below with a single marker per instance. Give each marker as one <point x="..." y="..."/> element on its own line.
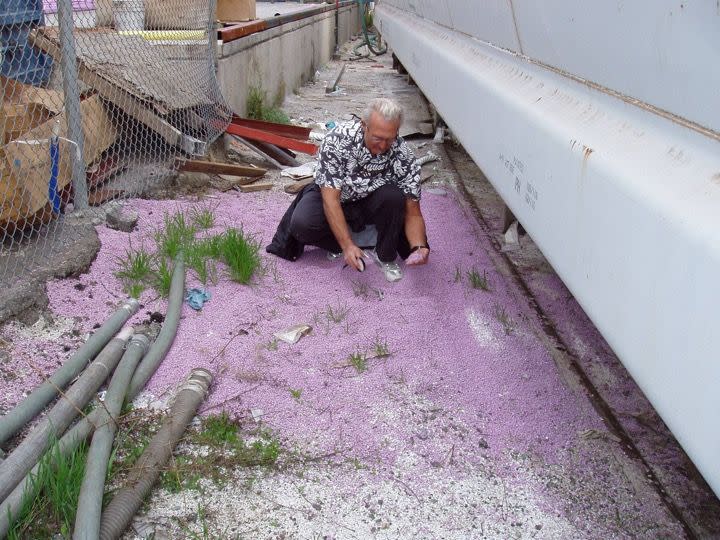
<point x="415" y="229"/>
<point x="339" y="227"/>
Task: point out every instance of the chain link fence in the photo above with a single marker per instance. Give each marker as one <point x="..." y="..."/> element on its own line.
<point x="99" y="100"/>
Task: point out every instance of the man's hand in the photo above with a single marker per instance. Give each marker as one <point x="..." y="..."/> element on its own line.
<point x="353" y="257"/>
<point x="415" y="232"/>
<point x="417" y="257"/>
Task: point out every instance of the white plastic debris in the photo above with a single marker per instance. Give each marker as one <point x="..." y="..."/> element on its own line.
<point x="306" y="170"/>
<point x="257" y="414"/>
<point x="511" y="238"/>
<point x="293" y="334"/>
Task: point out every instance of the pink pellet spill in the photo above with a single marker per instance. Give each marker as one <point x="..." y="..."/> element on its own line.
<point x="492" y="391"/>
<point x="506" y="386"/>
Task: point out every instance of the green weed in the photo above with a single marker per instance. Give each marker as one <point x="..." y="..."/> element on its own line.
<point x="504" y="319"/>
<point x="163" y="277"/>
<point x="257" y="108"/>
<point x="51" y="503"/>
<point x="336" y="314"/>
<point x="177" y="236"/>
<point x="202" y="217"/>
<point x="134" y="290"/>
<point x="218" y="430"/>
<point x="380" y="348"/>
<point x="358" y="360"/>
<point x="241" y="253"/>
<point x="296" y="393"/>
<point x="136" y="266"/>
<point x="458" y="275"/>
<point x="477" y="281"/>
<point x="180" y="475"/>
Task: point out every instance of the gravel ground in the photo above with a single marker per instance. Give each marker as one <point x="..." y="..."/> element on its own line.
<point x="469" y="428"/>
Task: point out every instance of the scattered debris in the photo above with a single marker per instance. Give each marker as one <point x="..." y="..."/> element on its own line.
<point x="257" y="186"/>
<point x="196" y="298"/>
<point x="293" y="334"/>
<point x="306" y="170"/>
<point x="298" y="186"/>
<point x="257" y="414"/>
<point x="511" y="238"/>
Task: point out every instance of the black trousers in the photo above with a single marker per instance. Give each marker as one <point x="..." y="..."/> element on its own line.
<point x="384" y="208"/>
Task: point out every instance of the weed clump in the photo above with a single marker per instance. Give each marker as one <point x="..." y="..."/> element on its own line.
<point x="140" y="269"/>
<point x="257" y="108"/>
<point x="50" y="503"/>
<point x="241" y="254"/>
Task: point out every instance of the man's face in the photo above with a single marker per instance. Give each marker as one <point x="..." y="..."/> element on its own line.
<point x="380" y="134"/>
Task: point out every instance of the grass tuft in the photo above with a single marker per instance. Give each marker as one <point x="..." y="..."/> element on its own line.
<point x="504" y="319"/>
<point x="136" y="266"/>
<point x="218" y="430"/>
<point x="176" y="237"/>
<point x="163" y="277"/>
<point x="358" y="360"/>
<point x="51" y="503"/>
<point x="477" y="281"/>
<point x="257" y="108"/>
<point x="202" y="217"/>
<point x="241" y="253"/>
<point x="380" y="348"/>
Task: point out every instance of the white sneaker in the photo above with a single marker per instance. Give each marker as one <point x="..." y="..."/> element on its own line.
<point x="390" y="269"/>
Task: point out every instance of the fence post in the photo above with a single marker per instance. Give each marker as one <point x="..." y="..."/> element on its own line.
<point x="72" y="101"/>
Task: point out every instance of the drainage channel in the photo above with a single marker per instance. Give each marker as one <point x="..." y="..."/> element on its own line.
<point x="598" y="403"/>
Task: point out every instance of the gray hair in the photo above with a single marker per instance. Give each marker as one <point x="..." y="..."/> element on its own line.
<point x="387" y="108"/>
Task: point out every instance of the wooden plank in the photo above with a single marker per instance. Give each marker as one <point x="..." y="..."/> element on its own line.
<point x="215" y="167"/>
<point x="257" y="186"/>
<point x="296" y="187"/>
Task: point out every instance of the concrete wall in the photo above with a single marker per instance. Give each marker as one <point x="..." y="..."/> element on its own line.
<point x="281" y="59"/>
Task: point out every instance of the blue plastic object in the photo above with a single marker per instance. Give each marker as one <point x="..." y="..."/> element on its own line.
<point x="19" y="60"/>
<point x="53" y="194"/>
<point x="197" y="297"/>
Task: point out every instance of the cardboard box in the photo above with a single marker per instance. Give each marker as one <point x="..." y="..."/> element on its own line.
<point x="25" y="173"/>
<point x="235" y="10"/>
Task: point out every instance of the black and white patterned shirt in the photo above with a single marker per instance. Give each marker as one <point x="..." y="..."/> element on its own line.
<point x="346" y="164"/>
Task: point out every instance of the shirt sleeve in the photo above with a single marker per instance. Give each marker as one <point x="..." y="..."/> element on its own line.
<point x="331" y="163"/>
<point x="406" y="171"/>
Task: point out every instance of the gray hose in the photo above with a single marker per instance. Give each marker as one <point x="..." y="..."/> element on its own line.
<point x="167" y="333"/>
<point x="29" y="407"/>
<point x="11" y="506"/>
<point x="127" y="501"/>
<point x="26" y="455"/>
<point x="87" y="520"/>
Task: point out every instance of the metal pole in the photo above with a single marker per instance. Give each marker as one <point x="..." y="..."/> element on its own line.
<point x="72" y="101"/>
<point x="337" y="25"/>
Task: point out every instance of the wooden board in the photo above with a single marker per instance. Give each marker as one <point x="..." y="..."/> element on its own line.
<point x="257" y="186"/>
<point x="215" y="167"/>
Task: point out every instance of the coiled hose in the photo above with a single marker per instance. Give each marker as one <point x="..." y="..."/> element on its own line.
<point x="372" y="38"/>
